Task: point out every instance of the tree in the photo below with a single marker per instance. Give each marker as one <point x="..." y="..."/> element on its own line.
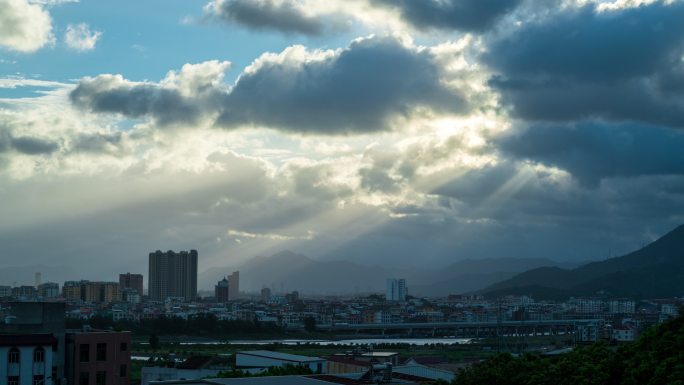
<point x="310" y="324"/>
<point x="154" y="342"/>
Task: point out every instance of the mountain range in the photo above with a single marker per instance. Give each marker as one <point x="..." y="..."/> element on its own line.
<point x="656" y="270"/>
<point x="287" y="271"/>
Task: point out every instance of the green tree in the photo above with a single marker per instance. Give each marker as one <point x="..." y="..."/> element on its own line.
<point x="154" y="342"/>
<point x="310" y="324"/>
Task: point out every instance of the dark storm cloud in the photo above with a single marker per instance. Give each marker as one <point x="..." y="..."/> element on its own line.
<point x="283" y="16"/>
<point x="462" y="15"/>
<point x="591" y="151"/>
<point x="359" y="89"/>
<point x="515" y="194"/>
<point x="25" y="144"/>
<point x="111" y="94"/>
<point x="580" y="63"/>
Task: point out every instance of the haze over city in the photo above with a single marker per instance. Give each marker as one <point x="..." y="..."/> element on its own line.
<point x="402" y="134"/>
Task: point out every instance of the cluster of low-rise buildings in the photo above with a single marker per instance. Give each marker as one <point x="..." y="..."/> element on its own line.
<point x="618" y="318"/>
<point x="38" y="349"/>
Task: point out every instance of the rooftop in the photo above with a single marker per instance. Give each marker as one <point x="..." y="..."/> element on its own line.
<point x="281" y="356"/>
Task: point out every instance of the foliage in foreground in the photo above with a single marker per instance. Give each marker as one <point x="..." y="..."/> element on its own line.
<point x="657" y="358"/>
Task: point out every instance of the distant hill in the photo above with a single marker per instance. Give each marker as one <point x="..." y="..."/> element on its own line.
<point x="298" y="272"/>
<point x="656" y="270"/>
<point x="25" y="275"/>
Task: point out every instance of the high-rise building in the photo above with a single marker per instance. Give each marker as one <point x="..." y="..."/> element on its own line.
<point x="222" y="290"/>
<point x="265" y="294"/>
<point x="71" y="290"/>
<point x="101" y="292"/>
<point x="395" y="289"/>
<point x="48" y="290"/>
<point x="173" y="275"/>
<point x="234" y="284"/>
<point x="131" y="281"/>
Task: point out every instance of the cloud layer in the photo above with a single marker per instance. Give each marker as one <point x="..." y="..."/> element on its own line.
<point x="287" y="16"/>
<point x="617" y="65"/>
<point x="461" y="15"/>
<point x="357" y="89"/>
<point x="24" y="27"/>
<point x="80" y="38"/>
<point x="454" y="129"/>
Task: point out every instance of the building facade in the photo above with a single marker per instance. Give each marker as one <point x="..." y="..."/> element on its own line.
<point x="395" y="289"/>
<point x="222" y="290"/>
<point x="173" y="275"/>
<point x="100" y="292"/>
<point x="27" y="359"/>
<point x="98" y="357"/>
<point x="131" y="281"/>
<point x="40" y="319"/>
<point x="48" y="290"/>
<point x="234" y="286"/>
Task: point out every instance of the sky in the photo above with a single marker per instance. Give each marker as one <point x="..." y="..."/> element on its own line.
<point x="408" y="133"/>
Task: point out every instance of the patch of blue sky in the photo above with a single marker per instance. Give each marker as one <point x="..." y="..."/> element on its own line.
<point x="143" y="40"/>
<point x="23" y="92"/>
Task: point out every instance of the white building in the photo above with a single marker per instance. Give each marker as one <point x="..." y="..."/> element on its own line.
<point x="258" y="360"/>
<point x="26" y="359"/>
<point x="395" y="289"/>
<point x="587" y="332"/>
<point x="588" y="305"/>
<point x="48" y="290"/>
<point x="5" y="291"/>
<point x="669" y="309"/>
<point x="621" y="307"/>
<point x="623" y="334"/>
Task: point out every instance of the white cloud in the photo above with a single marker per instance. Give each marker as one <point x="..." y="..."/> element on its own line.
<point x="52" y="2"/>
<point x="24" y="27"/>
<point x="79" y="37"/>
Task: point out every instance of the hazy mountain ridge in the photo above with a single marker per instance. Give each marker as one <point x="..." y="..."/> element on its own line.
<point x="656" y="270"/>
<point x="307" y="275"/>
<point x="25" y="275"/>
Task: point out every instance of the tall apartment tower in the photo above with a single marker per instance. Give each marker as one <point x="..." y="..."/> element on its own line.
<point x="222" y="291"/>
<point x="234" y="286"/>
<point x="131" y="281"/>
<point x="173" y="275"/>
<point x="395" y="289"/>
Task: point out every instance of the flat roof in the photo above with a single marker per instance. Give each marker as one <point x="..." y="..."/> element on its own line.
<point x="277" y="380"/>
<point x="27" y="339"/>
<point x="280" y="356"/>
<point x="378" y="354"/>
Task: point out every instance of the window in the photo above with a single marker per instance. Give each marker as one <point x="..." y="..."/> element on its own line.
<point x="102" y="352"/>
<point x="13" y="356"/>
<point x="84" y="352"/>
<point x="101" y="378"/>
<point x="13" y="380"/>
<point x="39" y="355"/>
<point x="124" y="346"/>
<point x="122" y="371"/>
<point x="84" y="378"/>
<point x="39" y="379"/>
